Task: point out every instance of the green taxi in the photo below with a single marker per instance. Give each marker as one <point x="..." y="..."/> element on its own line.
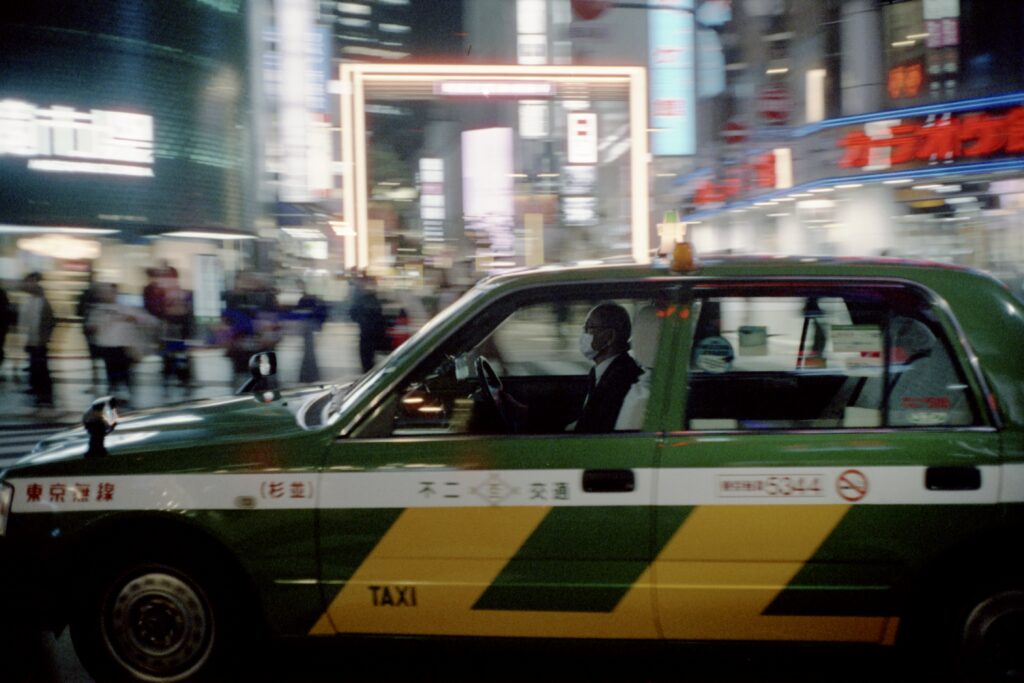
<point x="812" y="450"/>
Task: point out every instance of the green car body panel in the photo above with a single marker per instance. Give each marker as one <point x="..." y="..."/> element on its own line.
<point x="450" y="534"/>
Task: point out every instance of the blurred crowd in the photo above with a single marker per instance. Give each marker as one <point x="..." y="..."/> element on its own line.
<point x="119" y="332"/>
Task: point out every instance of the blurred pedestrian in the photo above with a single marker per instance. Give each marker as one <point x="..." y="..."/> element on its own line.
<point x="250" y="320"/>
<point x="313" y="305"/>
<point x="122" y="334"/>
<point x="165" y="300"/>
<point x="37" y="323"/>
<point x="86" y="300"/>
<point x="368" y="313"/>
<point x="8" y="318"/>
<point x="312" y="314"/>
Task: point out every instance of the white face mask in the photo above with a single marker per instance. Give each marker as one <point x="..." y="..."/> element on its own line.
<point x="587" y="346"/>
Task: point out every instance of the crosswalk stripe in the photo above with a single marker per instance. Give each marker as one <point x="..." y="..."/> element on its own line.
<point x="15" y="443"/>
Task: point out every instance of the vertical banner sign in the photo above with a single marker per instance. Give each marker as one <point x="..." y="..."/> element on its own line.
<point x="582" y="138"/>
<point x="319" y="152"/>
<point x="670" y="30"/>
<point x="432" y="208"/>
<point x="207" y="285"/>
<point x="532" y="48"/>
<point x="942" y="22"/>
<point x="294" y="22"/>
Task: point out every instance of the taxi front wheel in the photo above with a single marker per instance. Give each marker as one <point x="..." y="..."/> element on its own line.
<point x="152" y="620"/>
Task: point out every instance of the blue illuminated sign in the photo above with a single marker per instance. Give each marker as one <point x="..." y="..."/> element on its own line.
<point x="670" y="30"/>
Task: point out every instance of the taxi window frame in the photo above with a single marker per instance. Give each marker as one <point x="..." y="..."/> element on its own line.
<point x="955" y="340"/>
<point x="516" y="298"/>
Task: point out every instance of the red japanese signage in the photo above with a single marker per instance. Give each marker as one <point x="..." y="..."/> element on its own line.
<point x="59" y="492"/>
<point x="286" y="489"/>
<point x="905" y="80"/>
<point x="588" y="9"/>
<point x="739" y="180"/>
<point x="941" y="138"/>
<point x="774" y="104"/>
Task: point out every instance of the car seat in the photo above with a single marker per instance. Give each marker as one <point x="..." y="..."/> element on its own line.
<point x="924" y="386"/>
<point x="644" y="341"/>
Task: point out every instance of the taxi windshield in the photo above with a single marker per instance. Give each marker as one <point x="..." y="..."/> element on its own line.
<point x="380" y="374"/>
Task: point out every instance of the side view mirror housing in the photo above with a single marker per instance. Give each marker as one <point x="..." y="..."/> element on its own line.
<point x="262" y="366"/>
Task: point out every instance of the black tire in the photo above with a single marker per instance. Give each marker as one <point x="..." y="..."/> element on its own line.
<point x="153" y="619"/>
<point x="992" y="637"/>
<point x="977" y="638"/>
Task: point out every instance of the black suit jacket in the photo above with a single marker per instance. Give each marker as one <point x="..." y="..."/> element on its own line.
<point x="604" y="401"/>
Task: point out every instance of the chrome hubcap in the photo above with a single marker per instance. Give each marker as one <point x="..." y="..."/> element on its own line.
<point x="159" y="627"/>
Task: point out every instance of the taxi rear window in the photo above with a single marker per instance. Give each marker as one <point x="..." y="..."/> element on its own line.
<point x="820" y="356"/>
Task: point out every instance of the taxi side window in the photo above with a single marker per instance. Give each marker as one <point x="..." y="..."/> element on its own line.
<point x="533" y="349"/>
<point x="820" y="357"/>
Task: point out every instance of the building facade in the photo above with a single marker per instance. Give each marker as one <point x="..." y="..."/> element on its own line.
<point x="865" y="127"/>
<point x="121" y="123"/>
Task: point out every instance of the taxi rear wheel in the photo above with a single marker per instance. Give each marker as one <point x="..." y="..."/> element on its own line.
<point x="152" y="620"/>
<point x="992" y="640"/>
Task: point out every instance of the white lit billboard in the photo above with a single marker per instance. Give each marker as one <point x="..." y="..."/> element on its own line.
<point x="487" y="186"/>
<point x="63" y="139"/>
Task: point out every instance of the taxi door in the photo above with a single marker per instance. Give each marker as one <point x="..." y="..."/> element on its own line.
<point x="434" y="523"/>
<point x="797" y="500"/>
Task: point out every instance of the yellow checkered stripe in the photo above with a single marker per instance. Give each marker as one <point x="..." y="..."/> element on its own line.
<point x="712" y="579"/>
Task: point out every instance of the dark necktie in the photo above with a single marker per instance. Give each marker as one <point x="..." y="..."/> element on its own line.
<point x="591" y="383"/>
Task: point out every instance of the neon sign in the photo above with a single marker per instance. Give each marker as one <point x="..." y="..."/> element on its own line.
<point x="494" y="89"/>
<point x="758" y="174"/>
<point x="882" y="144"/>
<point x="66" y="140"/>
<point x="905" y="80"/>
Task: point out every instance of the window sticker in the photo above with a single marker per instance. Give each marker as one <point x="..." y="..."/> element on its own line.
<point x="927" y="418"/>
<point x="858" y="417"/>
<point x="713" y="354"/>
<point x="753" y="340"/>
<point x="857" y="339"/>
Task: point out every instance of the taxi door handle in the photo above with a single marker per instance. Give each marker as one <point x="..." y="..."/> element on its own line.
<point x="957" y="478"/>
<point x="608" y="481"/>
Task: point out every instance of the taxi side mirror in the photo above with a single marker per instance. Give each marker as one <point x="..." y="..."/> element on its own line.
<point x="99" y="420"/>
<point x="262" y="366"/>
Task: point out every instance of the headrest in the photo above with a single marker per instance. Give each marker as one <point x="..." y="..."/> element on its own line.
<point x="912" y="336"/>
<point x="646" y="330"/>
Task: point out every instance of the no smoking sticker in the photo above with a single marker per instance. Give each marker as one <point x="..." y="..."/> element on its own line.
<point x="852" y="485"/>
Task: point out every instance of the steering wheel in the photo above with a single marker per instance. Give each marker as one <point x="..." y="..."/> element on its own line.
<point x="493" y="389"/>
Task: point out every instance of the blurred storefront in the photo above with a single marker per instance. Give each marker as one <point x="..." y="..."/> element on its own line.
<point x="491" y="186"/>
<point x="124" y="141"/>
<point x="486" y="165"/>
<point x="866" y="127"/>
<point x="579" y="183"/>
